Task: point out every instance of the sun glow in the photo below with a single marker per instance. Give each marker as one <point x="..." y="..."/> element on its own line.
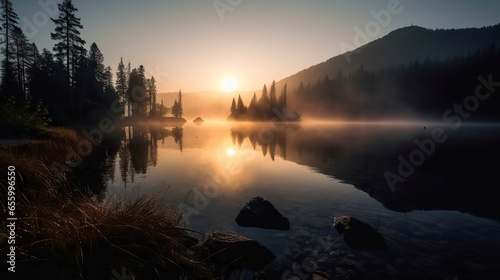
<point x="230" y="152"/>
<point x="229" y="84"/>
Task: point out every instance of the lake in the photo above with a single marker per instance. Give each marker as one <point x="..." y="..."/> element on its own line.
<point x="442" y="222"/>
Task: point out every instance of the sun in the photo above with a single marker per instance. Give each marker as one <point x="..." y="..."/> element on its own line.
<point x="230" y="152"/>
<point x="229" y="84"/>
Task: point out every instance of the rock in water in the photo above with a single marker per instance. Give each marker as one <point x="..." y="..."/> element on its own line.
<point x="227" y="248"/>
<point x="259" y="212"/>
<point x="359" y="235"/>
<point x="198" y="121"/>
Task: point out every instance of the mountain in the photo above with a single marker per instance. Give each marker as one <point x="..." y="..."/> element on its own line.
<point x="400" y="47"/>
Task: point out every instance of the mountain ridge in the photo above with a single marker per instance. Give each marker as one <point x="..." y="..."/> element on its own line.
<point x="400" y="47"/>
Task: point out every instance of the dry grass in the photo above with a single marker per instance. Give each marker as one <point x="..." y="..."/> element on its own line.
<point x="33" y="159"/>
<point x="61" y="234"/>
<point x="91" y="238"/>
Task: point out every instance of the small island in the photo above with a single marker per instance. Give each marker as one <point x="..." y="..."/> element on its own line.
<point x="149" y="111"/>
<point x="266" y="108"/>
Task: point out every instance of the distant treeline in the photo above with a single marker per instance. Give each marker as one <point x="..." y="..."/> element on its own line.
<point x="422" y="88"/>
<point x="71" y="85"/>
<point x="264" y="108"/>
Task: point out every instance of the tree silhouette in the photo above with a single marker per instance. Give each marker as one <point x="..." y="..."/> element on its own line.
<point x="137" y="92"/>
<point x="70" y="45"/>
<point x="264" y="103"/>
<point x="21" y="49"/>
<point x="253" y="107"/>
<point x="179" y="103"/>
<point x="122" y="82"/>
<point x="152" y="97"/>
<point x="175" y="109"/>
<point x="273" y="100"/>
<point x="9" y="20"/>
<point x="241" y="108"/>
<point x="233" y="108"/>
<point x="282" y="101"/>
<point x="262" y="109"/>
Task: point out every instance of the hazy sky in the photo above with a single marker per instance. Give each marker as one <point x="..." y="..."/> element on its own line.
<point x="192" y="45"/>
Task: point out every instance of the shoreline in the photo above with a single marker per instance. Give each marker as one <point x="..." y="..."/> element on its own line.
<point x="89" y="236"/>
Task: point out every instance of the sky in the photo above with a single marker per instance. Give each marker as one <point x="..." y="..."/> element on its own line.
<point x="194" y="45"/>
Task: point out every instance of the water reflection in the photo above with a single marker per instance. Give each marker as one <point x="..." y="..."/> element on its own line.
<point x="139" y="148"/>
<point x="263" y="136"/>
<point x="216" y="168"/>
<point x="457" y="176"/>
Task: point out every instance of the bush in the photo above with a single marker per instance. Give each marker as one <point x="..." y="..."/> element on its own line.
<point x="19" y="117"/>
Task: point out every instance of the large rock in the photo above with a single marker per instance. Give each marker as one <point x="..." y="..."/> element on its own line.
<point x="259" y="212"/>
<point x="359" y="235"/>
<point x="227" y="248"/>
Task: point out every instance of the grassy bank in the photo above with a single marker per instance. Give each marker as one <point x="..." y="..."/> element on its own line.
<point x="63" y="234"/>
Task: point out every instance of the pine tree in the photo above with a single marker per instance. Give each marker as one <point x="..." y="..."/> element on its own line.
<point x="264" y="104"/>
<point x="9" y="20"/>
<point x="96" y="66"/>
<point x="253" y="107"/>
<point x="110" y="94"/>
<point x="152" y="96"/>
<point x="128" y="98"/>
<point x="179" y="103"/>
<point x="121" y="82"/>
<point x="241" y="108"/>
<point x="282" y="101"/>
<point x="20" y="53"/>
<point x="70" y="45"/>
<point x="137" y="92"/>
<point x="233" y="108"/>
<point x="175" y="109"/>
<point x="273" y="100"/>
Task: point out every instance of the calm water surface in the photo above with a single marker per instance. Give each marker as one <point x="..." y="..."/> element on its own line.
<point x="441" y="223"/>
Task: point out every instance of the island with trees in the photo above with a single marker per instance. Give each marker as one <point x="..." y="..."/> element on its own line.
<point x="269" y="106"/>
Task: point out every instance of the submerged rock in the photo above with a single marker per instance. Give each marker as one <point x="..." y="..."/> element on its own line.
<point x="261" y="213"/>
<point x="359" y="235"/>
<point x="227" y="248"/>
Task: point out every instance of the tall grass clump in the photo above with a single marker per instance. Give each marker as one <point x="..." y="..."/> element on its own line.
<point x="63" y="234"/>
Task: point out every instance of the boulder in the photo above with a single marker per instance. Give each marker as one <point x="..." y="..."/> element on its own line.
<point x="198" y="121"/>
<point x="227" y="248"/>
<point x="359" y="235"/>
<point x="259" y="212"/>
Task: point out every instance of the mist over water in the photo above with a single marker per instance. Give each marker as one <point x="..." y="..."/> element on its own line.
<point x="312" y="171"/>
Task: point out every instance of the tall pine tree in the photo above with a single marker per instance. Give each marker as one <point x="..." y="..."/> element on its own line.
<point x="273" y="99"/>
<point x="9" y="20"/>
<point x="264" y="104"/>
<point x="70" y="45"/>
<point x="122" y="82"/>
<point x="179" y="103"/>
<point x="152" y="97"/>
